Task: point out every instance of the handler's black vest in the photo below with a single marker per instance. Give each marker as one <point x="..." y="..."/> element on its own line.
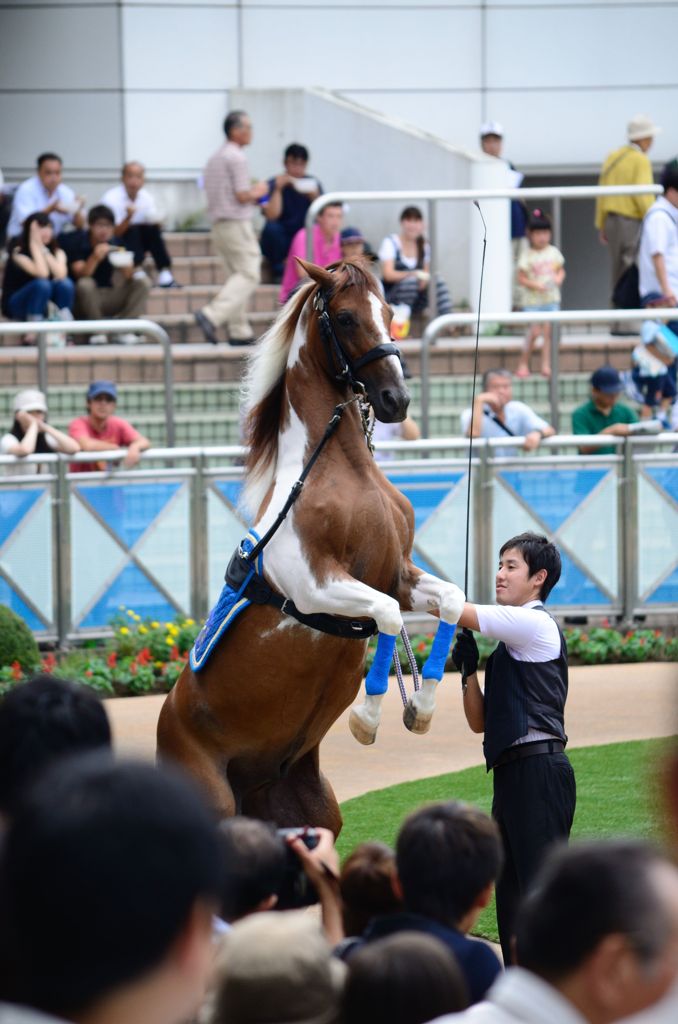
<point x="523" y="695"/>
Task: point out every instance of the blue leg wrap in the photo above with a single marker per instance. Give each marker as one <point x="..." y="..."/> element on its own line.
<point x="377" y="678"/>
<point x="434" y="666"/>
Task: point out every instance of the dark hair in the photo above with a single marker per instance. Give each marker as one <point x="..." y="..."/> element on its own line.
<point x="101" y="868"/>
<point x="233" y="120"/>
<point x="414" y="213"/>
<point x="254" y="858"/>
<point x="44" y="157"/>
<point x="582" y="894"/>
<point x="40" y="722"/>
<point x="406" y="978"/>
<point x="42" y="219"/>
<point x="537" y="220"/>
<point x="539" y="553"/>
<point x="366" y="886"/>
<point x="669" y="178"/>
<point x="328" y="206"/>
<point x="446" y="854"/>
<point x="495" y="373"/>
<point x="100" y="212"/>
<point x="295" y="151"/>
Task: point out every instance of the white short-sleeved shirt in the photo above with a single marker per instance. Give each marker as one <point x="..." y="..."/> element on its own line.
<point x="7" y="442"/>
<point x="32" y="196"/>
<point x="529" y="634"/>
<point x="390" y="248"/>
<point x="519" y="418"/>
<point x="659" y="235"/>
<point x="145" y="209"/>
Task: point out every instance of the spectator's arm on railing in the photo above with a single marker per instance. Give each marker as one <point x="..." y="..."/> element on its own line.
<point x="136" y="447"/>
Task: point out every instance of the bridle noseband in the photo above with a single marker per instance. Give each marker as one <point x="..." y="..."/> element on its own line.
<point x="342" y="368"/>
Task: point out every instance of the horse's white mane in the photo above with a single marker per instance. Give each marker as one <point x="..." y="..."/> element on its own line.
<point x="265" y="367"/>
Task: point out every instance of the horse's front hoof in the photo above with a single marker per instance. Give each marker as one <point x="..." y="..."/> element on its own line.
<point x="415" y="720"/>
<point x="362" y="727"/>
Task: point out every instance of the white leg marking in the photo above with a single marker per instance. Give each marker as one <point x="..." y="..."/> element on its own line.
<point x="430" y="594"/>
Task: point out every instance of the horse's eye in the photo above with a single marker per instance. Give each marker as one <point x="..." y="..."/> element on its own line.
<point x="345" y="319"/>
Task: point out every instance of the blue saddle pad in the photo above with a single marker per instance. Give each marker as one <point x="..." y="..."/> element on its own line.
<point x="230" y="604"/>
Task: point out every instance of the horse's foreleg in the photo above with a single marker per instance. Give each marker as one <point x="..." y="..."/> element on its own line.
<point x="446" y="601"/>
<point x="343" y="595"/>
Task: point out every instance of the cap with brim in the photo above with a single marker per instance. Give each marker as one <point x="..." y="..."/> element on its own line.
<point x="352" y="235"/>
<point x="607" y="380"/>
<point x="641" y="127"/>
<point x="491" y="128"/>
<point x="30" y="400"/>
<point x="102" y="387"/>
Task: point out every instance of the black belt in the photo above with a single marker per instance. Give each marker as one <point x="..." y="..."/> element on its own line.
<point x="529" y="750"/>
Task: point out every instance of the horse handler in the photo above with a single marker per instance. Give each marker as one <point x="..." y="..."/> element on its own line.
<point x="521" y="713"/>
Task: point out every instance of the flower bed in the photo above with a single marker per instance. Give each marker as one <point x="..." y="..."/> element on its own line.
<point x="147" y="656"/>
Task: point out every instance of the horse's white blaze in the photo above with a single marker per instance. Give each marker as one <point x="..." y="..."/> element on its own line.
<point x="430" y="594"/>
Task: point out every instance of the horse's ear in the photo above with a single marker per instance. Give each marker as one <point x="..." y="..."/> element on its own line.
<point x="318" y="274"/>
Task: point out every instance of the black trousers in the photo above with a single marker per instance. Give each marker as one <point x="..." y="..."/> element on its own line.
<point x="534" y="802"/>
<point x="143" y="238"/>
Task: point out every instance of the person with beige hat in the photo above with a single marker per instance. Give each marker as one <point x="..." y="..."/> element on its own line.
<point x="618" y="218"/>
<point x="31" y="434"/>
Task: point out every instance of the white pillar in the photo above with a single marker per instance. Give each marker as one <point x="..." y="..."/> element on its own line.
<point x="490" y="173"/>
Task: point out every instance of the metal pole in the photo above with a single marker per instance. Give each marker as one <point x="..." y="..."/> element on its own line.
<point x="628" y="555"/>
<point x="555" y="370"/>
<point x="42" y="363"/>
<point x="424" y="369"/>
<point x="200" y="555"/>
<point x="62" y="548"/>
<point x="557" y="222"/>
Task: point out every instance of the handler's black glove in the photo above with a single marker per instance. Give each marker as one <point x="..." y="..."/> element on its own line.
<point x="465" y="654"/>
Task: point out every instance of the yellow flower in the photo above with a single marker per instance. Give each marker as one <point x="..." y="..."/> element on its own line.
<point x="158" y="664"/>
<point x="189" y="622"/>
<point x="124" y="630"/>
<point x="169" y="640"/>
<point x="137" y="618"/>
<point x="155" y="625"/>
<point x="142" y="629"/>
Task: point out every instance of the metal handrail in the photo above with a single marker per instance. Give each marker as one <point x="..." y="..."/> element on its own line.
<point x="147" y="327"/>
<point x="572" y="316"/>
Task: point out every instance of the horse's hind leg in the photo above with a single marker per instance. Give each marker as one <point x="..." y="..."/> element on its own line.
<point x="302" y="797"/>
<point x="176" y="743"/>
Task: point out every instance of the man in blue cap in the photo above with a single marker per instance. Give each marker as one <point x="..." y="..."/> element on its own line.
<point x="101" y="431"/>
<point x="604" y="413"/>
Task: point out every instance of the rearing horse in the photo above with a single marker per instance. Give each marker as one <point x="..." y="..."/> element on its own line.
<point x="249" y="723"/>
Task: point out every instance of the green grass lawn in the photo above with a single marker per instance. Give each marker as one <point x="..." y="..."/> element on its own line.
<point x="617" y="794"/>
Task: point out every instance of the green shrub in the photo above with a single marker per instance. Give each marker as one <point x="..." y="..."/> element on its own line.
<point x="17" y="643"/>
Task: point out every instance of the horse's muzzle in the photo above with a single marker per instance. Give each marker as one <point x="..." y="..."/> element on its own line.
<point x="390" y="403"/>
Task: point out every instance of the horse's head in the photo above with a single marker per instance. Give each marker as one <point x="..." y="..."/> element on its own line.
<point x="353" y="324"/>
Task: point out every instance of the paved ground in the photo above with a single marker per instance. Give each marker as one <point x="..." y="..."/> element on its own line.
<point x="606" y="704"/>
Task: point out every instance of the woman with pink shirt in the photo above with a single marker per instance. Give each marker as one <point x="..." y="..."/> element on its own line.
<point x="326" y="248"/>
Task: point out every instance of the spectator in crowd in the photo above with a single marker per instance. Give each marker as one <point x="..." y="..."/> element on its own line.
<point x="36" y="274"/>
<point x="522" y="715"/>
<point x="406" y="267"/>
<point x="277" y="967"/>
<point x="652" y="381"/>
<point x="41" y="722"/>
<point x="107" y="285"/>
<point x="137" y="221"/>
<point x="497" y="414"/>
<point x="109" y="876"/>
<point x="231" y="199"/>
<point x="604" y="413"/>
<point x="289" y="196"/>
<point x="254" y="860"/>
<point x="354" y="244"/>
<point x="367" y="889"/>
<point x="448" y="856"/>
<point x="540" y="274"/>
<point x="5" y="208"/>
<point x="403" y="979"/>
<point x="618" y="218"/>
<point x="46" y="193"/>
<point x="101" y="430"/>
<point x="326" y="248"/>
<point x="658" y="253"/>
<point x="406" y="430"/>
<point x="596" y="940"/>
<point x="492" y="143"/>
<point x="31" y="434"/>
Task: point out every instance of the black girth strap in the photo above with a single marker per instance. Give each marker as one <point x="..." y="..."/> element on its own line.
<point x="258" y="591"/>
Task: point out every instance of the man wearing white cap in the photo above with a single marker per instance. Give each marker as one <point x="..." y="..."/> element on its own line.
<point x="491" y="143"/>
<point x="618" y="218"/>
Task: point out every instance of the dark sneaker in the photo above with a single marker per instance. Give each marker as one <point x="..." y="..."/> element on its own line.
<point x="171" y="284"/>
<point x="207" y="328"/>
<point x="241" y="341"/>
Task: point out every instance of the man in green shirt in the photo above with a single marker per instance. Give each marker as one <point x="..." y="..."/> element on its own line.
<point x="604" y="414"/>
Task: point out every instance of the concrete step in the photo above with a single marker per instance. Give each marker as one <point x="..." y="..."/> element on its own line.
<point x="188" y="243"/>
<point x="183" y="329"/>
<point x="192" y="297"/>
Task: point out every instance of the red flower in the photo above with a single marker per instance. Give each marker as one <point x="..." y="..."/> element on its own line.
<point x="16" y="670"/>
<point x="421" y="646"/>
<point x="89" y="673"/>
<point x="112" y="659"/>
<point x="174" y="653"/>
<point x="144" y="656"/>
<point x="49" y="662"/>
<point x="133" y="667"/>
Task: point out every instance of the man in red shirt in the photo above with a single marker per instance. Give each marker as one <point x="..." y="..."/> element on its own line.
<point x="101" y="431"/>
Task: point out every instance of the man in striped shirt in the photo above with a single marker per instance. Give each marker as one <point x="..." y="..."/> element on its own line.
<point x="231" y="199"/>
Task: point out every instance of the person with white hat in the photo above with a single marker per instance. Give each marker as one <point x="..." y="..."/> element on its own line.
<point x="31" y="434"/>
<point x="618" y="218"/>
<point x="491" y="143"/>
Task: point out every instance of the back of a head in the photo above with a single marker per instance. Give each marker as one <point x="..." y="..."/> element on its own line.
<point x="277" y="967"/>
<point x="585" y="893"/>
<point x="408" y="978"/>
<point x="101" y="869"/>
<point x="366" y="885"/>
<point x="42" y="721"/>
<point x="447" y="854"/>
<point x="254" y="858"/>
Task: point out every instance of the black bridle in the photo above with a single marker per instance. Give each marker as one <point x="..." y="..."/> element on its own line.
<point x="342" y="368"/>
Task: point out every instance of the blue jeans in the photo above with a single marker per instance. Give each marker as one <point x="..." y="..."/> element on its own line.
<point x="31" y="300"/>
